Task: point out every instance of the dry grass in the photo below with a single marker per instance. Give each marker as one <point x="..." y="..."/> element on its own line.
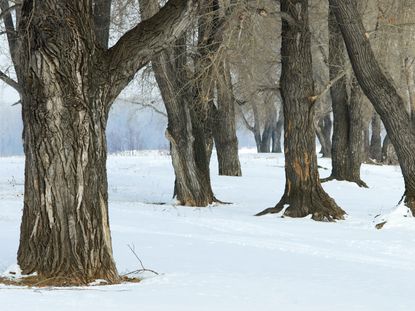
<point x="35" y="281"/>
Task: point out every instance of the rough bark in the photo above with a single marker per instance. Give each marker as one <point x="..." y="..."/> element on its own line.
<point x="380" y="91"/>
<point x="303" y="194"/>
<point x="65" y="230"/>
<point x="69" y="84"/>
<point x="347" y="118"/>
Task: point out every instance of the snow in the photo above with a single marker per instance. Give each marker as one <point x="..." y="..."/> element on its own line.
<point x="221" y="258"/>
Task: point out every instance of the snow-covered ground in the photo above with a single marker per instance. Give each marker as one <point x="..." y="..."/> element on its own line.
<point x="221" y="258"/>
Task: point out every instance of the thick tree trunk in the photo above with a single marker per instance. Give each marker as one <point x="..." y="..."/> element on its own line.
<point x="380" y="91"/>
<point x="65" y="234"/>
<point x="224" y="131"/>
<point x="347" y="115"/>
<point x="69" y="83"/>
<point x="303" y="194"/>
<point x="375" y="151"/>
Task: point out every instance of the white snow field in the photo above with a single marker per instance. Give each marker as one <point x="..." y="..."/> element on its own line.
<point x="221" y="258"/>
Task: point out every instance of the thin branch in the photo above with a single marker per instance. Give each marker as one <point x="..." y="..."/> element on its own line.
<point x="144" y="105"/>
<point x="9" y="81"/>
<point x="6" y="11"/>
<point x="246" y="122"/>
<point x="328" y="86"/>
<point x="139" y="45"/>
<point x="143" y="269"/>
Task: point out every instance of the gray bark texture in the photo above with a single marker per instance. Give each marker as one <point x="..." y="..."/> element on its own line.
<point x="70" y="82"/>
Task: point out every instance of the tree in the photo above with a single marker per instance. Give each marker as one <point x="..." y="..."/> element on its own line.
<point x="380" y="90"/>
<point x="303" y="193"/>
<point x="70" y="82"/>
<point x="347" y="149"/>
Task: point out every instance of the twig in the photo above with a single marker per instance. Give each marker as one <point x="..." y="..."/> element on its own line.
<point x="141" y="264"/>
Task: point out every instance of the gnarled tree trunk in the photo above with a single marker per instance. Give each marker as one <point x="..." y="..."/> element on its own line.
<point x="65" y="230"/>
<point x="69" y="83"/>
<point x="303" y="194"/>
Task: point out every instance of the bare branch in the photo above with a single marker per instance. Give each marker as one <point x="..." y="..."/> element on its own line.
<point x="139" y="45"/>
<point x="145" y="105"/>
<point x="10" y="82"/>
<point x="328" y="86"/>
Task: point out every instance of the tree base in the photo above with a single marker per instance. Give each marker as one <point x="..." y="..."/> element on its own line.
<point x="192" y="203"/>
<point x="318" y="204"/>
<point x="36" y="281"/>
<point x="357" y="181"/>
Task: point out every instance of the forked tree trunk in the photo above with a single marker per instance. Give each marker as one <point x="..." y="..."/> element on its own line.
<point x="380" y="91"/>
<point x="69" y="83"/>
<point x="347" y="114"/>
<point x="224" y="130"/>
<point x="303" y="194"/>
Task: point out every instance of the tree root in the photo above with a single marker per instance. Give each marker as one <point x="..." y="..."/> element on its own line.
<point x="318" y="204"/>
<point x="357" y="181"/>
<point x="270" y="210"/>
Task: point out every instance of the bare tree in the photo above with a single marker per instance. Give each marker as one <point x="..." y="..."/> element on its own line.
<point x="303" y="193"/>
<point x="380" y="90"/>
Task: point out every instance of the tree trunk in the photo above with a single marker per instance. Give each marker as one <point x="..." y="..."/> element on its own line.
<point x="224" y="131"/>
<point x="186" y="134"/>
<point x="303" y="194"/>
<point x="270" y="122"/>
<point x="277" y="133"/>
<point x="323" y="131"/>
<point x="375" y="151"/>
<point x="388" y="152"/>
<point x="69" y="82"/>
<point x="65" y="231"/>
<point x="380" y="91"/>
<point x="348" y="123"/>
